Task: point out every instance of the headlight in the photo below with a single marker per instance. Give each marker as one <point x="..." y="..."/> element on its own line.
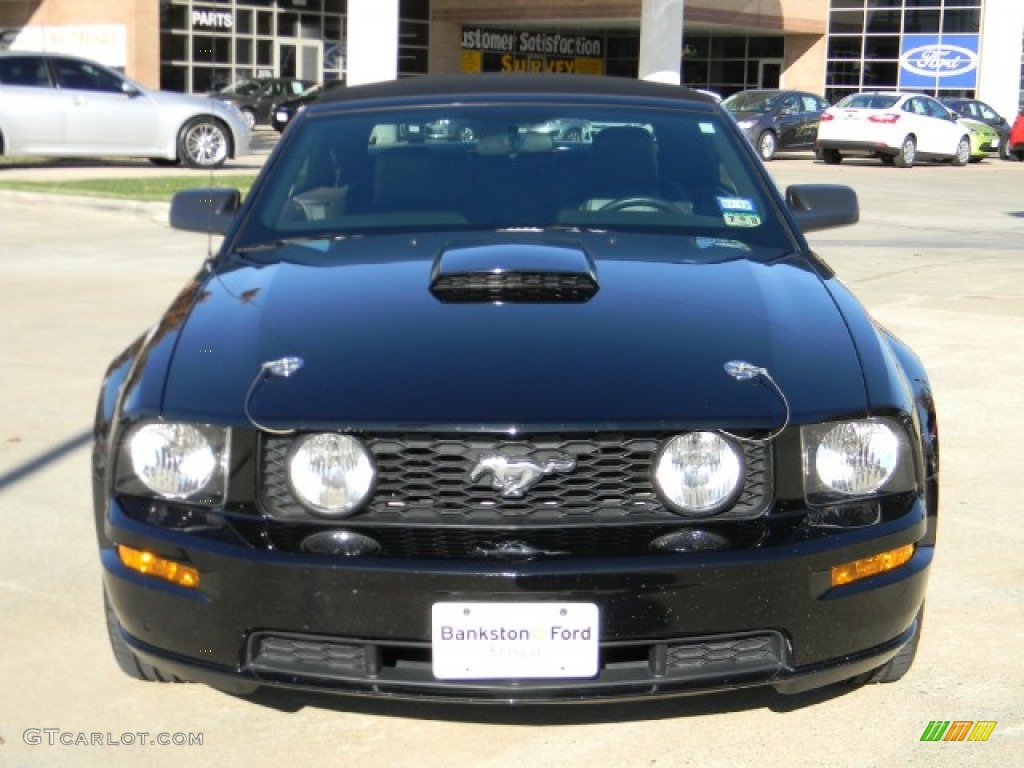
<point x="856" y="458"/>
<point x="746" y="125"/>
<point x="699" y="473"/>
<point x="331" y="474"/>
<point x="176" y="461"/>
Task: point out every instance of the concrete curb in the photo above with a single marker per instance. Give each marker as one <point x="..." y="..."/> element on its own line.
<point x="155" y="211"/>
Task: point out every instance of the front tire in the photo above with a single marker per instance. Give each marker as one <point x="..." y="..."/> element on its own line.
<point x="767" y="145"/>
<point x="898" y="665"/>
<point x="203" y="143"/>
<point x="908" y="151"/>
<point x="129" y="663"/>
<point x="963" y="152"/>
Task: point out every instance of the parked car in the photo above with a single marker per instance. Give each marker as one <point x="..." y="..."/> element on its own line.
<point x="286" y="110"/>
<point x="897" y="128"/>
<point x="979" y="110"/>
<point x="565" y="130"/>
<point x="63" y="106"/>
<point x="1016" y="140"/>
<point x="257" y="98"/>
<point x="984" y="139"/>
<point x="515" y="420"/>
<point x="777" y="120"/>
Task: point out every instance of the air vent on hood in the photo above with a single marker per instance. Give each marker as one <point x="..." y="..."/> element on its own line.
<point x="514" y="273"/>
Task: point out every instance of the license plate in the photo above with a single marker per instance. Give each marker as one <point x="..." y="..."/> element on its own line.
<point x="514" y="641"/>
<point x="282" y="116"/>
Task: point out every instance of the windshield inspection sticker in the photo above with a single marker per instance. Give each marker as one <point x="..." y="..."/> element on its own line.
<point x="739" y="212"/>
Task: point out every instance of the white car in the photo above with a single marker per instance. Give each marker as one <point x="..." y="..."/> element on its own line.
<point x="55" y="105"/>
<point x="897" y="128"/>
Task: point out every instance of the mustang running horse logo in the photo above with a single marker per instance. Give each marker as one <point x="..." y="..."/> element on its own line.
<point x="515" y="476"/>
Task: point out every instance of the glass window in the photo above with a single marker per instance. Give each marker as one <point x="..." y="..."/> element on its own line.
<point x="881" y="74"/>
<point x="211" y="50"/>
<point x="844" y="47"/>
<point x="243" y="22"/>
<point x="729" y="48"/>
<point x="847" y="3"/>
<point x="243" y="51"/>
<point x="86" y="76"/>
<point x="884" y="21"/>
<point x="882" y="47"/>
<point x="921" y="21"/>
<point x="25" y="70"/>
<point x="264" y="23"/>
<point x="846" y="22"/>
<point x="962" y="21"/>
<point x="264" y="53"/>
<point x="173" y="47"/>
<point x="766" y="47"/>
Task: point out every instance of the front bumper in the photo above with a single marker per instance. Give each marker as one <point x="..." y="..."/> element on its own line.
<point x="670" y="623"/>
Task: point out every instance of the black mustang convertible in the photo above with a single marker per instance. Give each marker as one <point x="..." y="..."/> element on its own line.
<point x="515" y="418"/>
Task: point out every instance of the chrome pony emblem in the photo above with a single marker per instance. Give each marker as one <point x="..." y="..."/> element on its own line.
<point x="514" y="476"/>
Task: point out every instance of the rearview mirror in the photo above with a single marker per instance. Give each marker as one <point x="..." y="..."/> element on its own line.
<point x="822" y="206"/>
<point x="208" y="210"/>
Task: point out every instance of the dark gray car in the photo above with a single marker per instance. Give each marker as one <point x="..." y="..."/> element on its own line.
<point x="256" y="99"/>
<point x="777" y="120"/>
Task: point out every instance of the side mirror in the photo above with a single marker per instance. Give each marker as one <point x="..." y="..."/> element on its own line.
<point x="822" y="206"/>
<point x="209" y="210"/>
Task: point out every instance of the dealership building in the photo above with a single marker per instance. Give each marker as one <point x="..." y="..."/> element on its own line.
<point x="832" y="47"/>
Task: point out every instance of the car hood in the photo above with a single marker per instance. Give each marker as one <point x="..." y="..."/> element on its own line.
<point x="379" y="348"/>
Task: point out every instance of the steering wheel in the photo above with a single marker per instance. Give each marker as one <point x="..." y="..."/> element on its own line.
<point x="656" y="203"/>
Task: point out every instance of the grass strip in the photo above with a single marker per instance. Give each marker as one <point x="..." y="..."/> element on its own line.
<point x="158" y="189"/>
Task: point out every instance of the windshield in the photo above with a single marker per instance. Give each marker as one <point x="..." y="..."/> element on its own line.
<point x="750" y="101"/>
<point x="506" y="167"/>
<point x="241" y="88"/>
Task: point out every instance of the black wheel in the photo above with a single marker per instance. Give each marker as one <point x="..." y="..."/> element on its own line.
<point x="887" y="159"/>
<point x="163" y="162"/>
<point x="203" y="143"/>
<point x="898" y="665"/>
<point x="831" y="156"/>
<point x="767" y="144"/>
<point x="963" y="152"/>
<point x="907" y="153"/>
<point x="129" y="663"/>
<point x="1019" y="154"/>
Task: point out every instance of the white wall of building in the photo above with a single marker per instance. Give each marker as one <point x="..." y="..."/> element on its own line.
<point x="999" y="70"/>
<point x="372" y="41"/>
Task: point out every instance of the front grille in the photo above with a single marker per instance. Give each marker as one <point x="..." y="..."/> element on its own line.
<point x="439" y="542"/>
<point x="425" y="481"/>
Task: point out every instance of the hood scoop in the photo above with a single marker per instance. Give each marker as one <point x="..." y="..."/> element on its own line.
<point x="524" y="273"/>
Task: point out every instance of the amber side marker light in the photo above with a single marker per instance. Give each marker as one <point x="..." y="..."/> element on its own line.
<point x="847" y="573"/>
<point x="152" y="565"/>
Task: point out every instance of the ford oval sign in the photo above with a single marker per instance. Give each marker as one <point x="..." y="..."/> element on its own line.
<point x="939" y="60"/>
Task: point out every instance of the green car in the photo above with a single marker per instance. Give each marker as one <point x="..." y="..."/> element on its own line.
<point x="984" y="138"/>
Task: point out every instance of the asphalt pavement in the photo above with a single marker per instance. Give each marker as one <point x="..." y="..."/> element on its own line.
<point x="937" y="257"/>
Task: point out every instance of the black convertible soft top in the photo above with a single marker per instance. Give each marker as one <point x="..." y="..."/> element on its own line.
<point x="511" y="84"/>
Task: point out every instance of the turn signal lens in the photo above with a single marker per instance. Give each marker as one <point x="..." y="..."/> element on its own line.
<point x="152" y="565"/>
<point x="871" y="566"/>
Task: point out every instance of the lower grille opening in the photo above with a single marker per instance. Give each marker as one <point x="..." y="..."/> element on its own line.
<point x="753" y="655"/>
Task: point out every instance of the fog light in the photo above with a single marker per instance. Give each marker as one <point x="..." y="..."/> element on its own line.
<point x="152" y="565"/>
<point x="340" y="543"/>
<point x="871" y="566"/>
